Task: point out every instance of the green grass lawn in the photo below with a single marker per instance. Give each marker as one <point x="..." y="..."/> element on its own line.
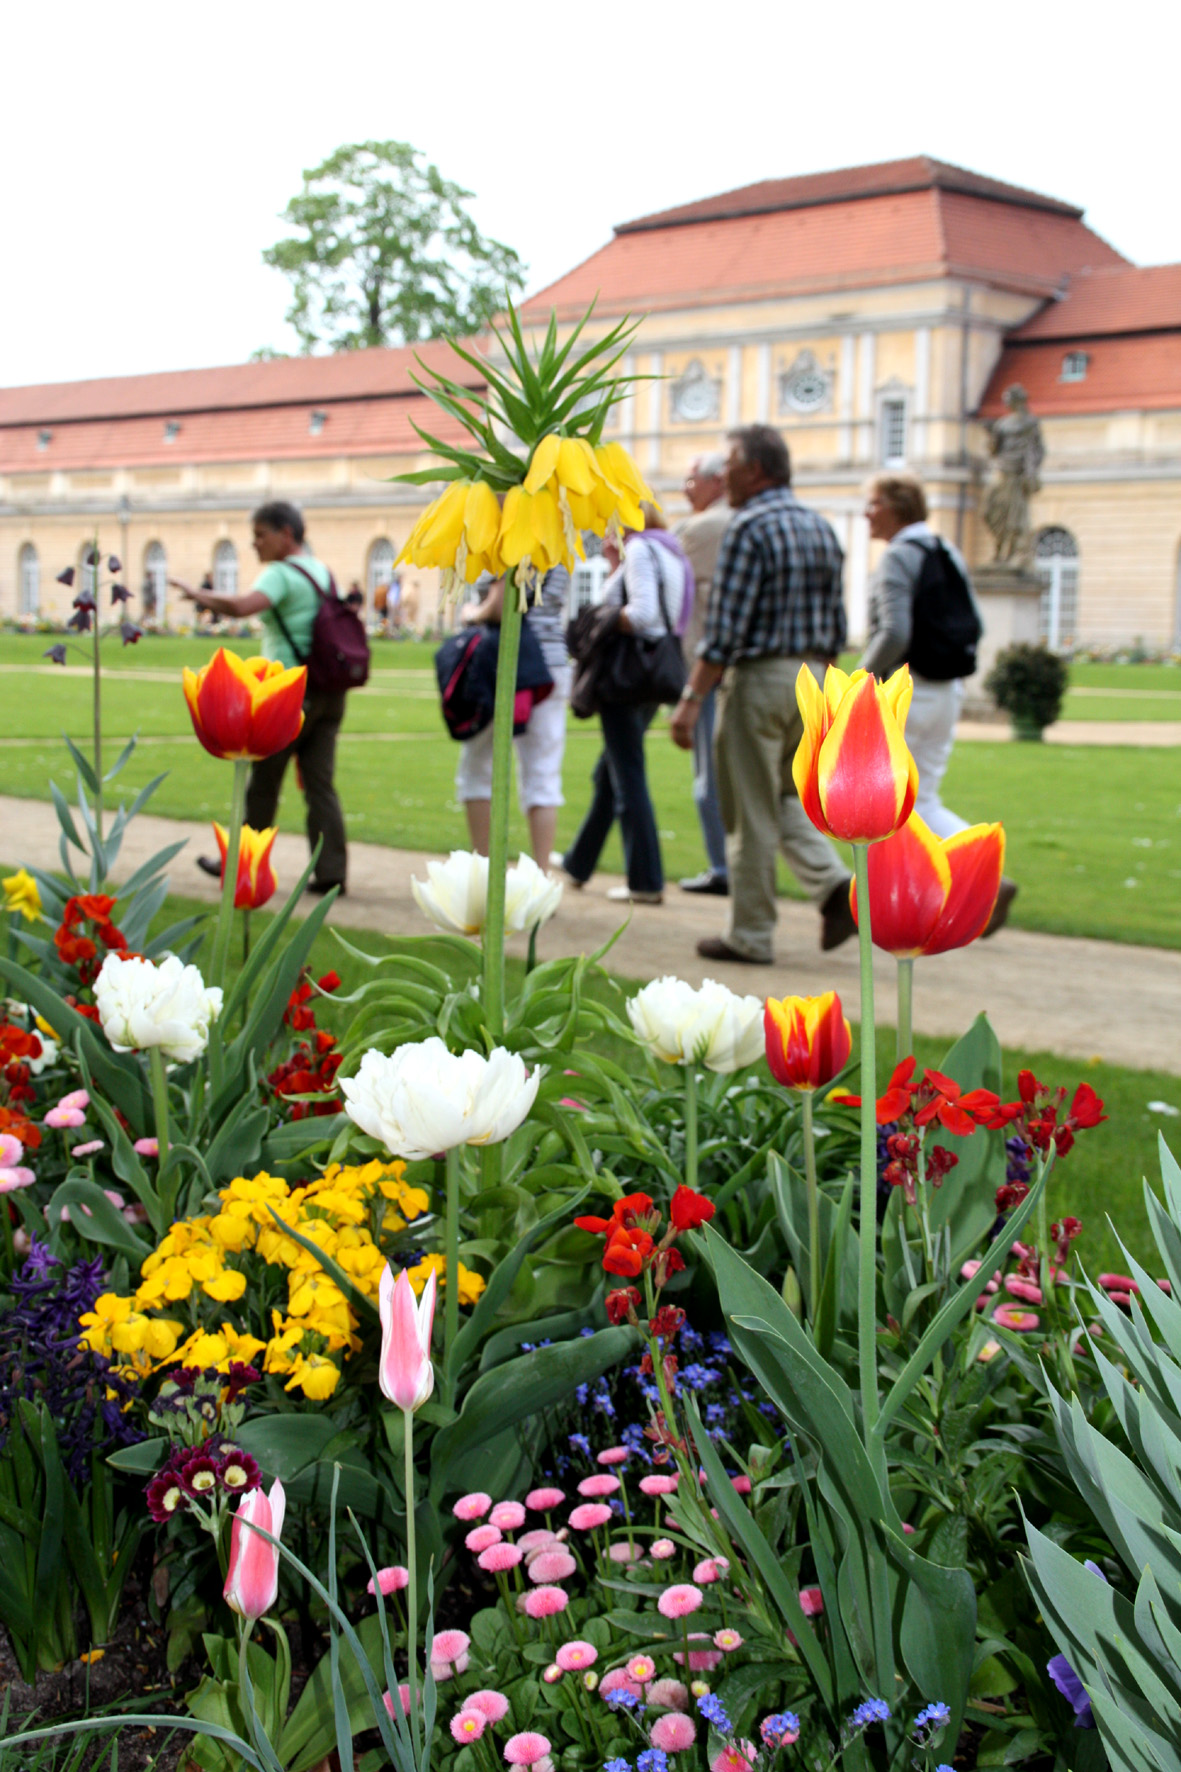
<point x="1094" y="834"/>
<point x="1101" y="1176"/>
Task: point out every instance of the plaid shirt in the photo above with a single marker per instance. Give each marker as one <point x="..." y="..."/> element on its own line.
<point x="777" y="587"/>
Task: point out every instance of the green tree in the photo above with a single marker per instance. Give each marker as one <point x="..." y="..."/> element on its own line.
<point x="386" y="253"/>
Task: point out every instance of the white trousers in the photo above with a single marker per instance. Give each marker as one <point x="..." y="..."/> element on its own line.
<point x="930" y="734"/>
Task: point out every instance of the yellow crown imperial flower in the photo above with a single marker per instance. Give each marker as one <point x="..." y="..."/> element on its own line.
<point x="21" y="895"/>
<point x="458" y="534"/>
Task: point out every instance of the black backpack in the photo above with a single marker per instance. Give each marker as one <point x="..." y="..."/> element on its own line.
<point x="339" y="654"/>
<point x="945" y="628"/>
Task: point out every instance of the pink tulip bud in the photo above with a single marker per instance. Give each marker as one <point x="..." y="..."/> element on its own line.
<point x="252" y="1584"/>
<point x="406" y="1375"/>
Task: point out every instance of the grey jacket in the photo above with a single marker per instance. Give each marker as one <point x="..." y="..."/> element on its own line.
<point x="891" y="597"/>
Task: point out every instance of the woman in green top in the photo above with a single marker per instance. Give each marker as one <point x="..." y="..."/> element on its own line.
<point x="287" y="604"/>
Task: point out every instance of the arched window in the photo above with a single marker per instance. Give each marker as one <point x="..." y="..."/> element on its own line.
<point x="28" y="581"/>
<point x="225" y="569"/>
<point x="379" y="571"/>
<point x="155" y="589"/>
<point x="1056" y="564"/>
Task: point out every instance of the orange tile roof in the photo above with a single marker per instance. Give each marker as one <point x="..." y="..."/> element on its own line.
<point x="1124" y="374"/>
<point x="379" y="426"/>
<point x="843" y="243"/>
<point x="1129" y="298"/>
<point x="887" y="178"/>
<point x="311" y="381"/>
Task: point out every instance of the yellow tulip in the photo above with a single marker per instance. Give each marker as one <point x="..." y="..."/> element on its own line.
<point x="21" y="895"/>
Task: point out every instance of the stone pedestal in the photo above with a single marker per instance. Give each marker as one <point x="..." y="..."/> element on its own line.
<point x="1009" y="598"/>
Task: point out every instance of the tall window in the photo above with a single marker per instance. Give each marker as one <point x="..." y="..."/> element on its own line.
<point x="379" y="570"/>
<point x="155" y="581"/>
<point x="892" y="432"/>
<point x="28" y="581"/>
<point x="225" y="569"/>
<point x="1074" y="366"/>
<point x="1056" y="564"/>
<point x="87" y="573"/>
<point x="586" y="583"/>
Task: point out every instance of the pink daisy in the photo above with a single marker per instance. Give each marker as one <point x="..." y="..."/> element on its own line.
<point x="623" y="1552"/>
<point x="473" y="1506"/>
<point x="727" y="1640"/>
<point x="542" y="1500"/>
<point x="469" y="1725"/>
<point x="738" y="1757"/>
<point x="669" y="1694"/>
<point x="489" y="1703"/>
<point x="391" y="1580"/>
<point x="658" y="1485"/>
<point x="449" y="1645"/>
<point x="543" y="1602"/>
<point x="594" y="1487"/>
<point x="480" y="1537"/>
<point x="551" y="1565"/>
<point x="526" y="1749"/>
<point x="701" y="1661"/>
<point x="572" y="1656"/>
<point x="499" y="1557"/>
<point x="641" y="1669"/>
<point x="662" y="1548"/>
<point x="617" y="1681"/>
<point x="674" y="1733"/>
<point x="680" y="1600"/>
<point x="590" y="1515"/>
<point x="508" y="1515"/>
<point x="711" y="1569"/>
<point x="614" y="1455"/>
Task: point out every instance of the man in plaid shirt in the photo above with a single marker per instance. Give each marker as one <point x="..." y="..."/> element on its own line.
<point x="775" y="606"/>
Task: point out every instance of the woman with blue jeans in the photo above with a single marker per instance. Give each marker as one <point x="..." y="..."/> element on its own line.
<point x="653" y="561"/>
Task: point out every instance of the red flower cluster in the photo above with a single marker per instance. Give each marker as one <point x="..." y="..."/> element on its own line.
<point x="18" y="1125"/>
<point x="297" y="1015"/>
<point x="1035" y="1116"/>
<point x="903" y="1168"/>
<point x="621" y="1305"/>
<point x="632" y="1248"/>
<point x="198" y="1473"/>
<point x="933" y="1097"/>
<point x="17" y="1047"/>
<point x="311" y="1070"/>
<point x="81" y="950"/>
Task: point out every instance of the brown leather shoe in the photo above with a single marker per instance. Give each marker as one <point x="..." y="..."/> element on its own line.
<point x="712" y="947"/>
<point x="837" y="922"/>
<point x="1001" y="909"/>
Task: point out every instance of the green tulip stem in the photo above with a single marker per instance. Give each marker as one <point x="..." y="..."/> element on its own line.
<point x="412" y="1607"/>
<point x="451" y="1280"/>
<point x="691" y="1125"/>
<point x="813" y="1211"/>
<point x="98" y="705"/>
<point x="159" y="1079"/>
<point x="905" y="1039"/>
<point x="229" y="878"/>
<point x="867" y="1215"/>
<point x="502" y="766"/>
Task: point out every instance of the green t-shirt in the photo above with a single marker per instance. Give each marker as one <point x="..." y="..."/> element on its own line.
<point x="290" y="593"/>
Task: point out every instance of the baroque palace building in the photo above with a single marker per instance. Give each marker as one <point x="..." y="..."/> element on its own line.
<point x="876" y="315"/>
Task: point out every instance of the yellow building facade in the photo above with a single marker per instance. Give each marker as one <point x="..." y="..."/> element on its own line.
<point x="874" y="315"/>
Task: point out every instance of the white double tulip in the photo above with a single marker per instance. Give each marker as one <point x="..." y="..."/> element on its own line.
<point x="710" y="1026"/>
<point x="455" y="894"/>
<point x="422" y="1098"/>
<point x="143" y="1003"/>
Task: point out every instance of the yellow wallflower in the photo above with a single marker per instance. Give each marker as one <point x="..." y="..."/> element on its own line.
<point x="252" y="1197"/>
<point x="114" y="1326"/>
<point x="315" y="1374"/>
<point x="226" y="1285"/>
<point x="21" y="895"/>
<point x="233" y="1233"/>
<point x="470" y="1284"/>
<point x="219" y="1347"/>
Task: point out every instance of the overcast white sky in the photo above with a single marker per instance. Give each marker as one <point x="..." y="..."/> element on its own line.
<point x="148" y="148"/>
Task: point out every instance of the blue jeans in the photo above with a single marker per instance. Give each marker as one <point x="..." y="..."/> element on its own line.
<point x="620" y="786"/>
<point x="705" y="787"/>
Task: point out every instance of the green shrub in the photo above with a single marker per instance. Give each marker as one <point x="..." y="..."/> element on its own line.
<point x="1029" y="683"/>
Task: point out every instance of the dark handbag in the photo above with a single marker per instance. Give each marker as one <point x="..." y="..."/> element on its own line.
<point x="623" y="670"/>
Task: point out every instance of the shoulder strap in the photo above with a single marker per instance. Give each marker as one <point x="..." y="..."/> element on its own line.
<point x="322" y="595"/>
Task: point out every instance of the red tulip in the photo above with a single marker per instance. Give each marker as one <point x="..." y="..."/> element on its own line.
<point x="808" y="1040"/>
<point x="245" y="707"/>
<point x="256" y="876"/>
<point x="929" y="894"/>
<point x="853" y="773"/>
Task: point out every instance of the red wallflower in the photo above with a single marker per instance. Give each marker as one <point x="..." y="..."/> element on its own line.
<point x="81" y="950"/>
<point x="689" y="1211"/>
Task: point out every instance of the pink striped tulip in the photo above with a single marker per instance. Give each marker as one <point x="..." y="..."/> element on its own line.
<point x="252" y="1584"/>
<point x="406" y="1375"/>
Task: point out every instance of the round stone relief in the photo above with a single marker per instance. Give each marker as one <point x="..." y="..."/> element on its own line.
<point x="805" y="387"/>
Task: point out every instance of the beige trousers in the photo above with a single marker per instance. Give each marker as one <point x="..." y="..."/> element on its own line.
<point x="758" y="729"/>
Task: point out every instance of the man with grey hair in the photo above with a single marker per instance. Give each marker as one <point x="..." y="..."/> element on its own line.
<point x="700" y="535"/>
<point x="775" y="609"/>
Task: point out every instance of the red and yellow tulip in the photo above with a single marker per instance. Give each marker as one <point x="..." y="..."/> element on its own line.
<point x="256" y="881"/>
<point x="929" y="894"/>
<point x="854" y="775"/>
<point x="245" y="707"/>
<point x="808" y="1040"/>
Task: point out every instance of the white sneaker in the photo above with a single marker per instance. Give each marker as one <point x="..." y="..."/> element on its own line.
<point x="625" y="895"/>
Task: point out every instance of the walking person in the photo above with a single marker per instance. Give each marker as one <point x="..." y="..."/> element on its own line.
<point x="653" y="567"/>
<point x="905" y="630"/>
<point x="284" y="596"/>
<point x="701" y="536"/>
<point x="775" y="607"/>
<point x="540" y="749"/>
